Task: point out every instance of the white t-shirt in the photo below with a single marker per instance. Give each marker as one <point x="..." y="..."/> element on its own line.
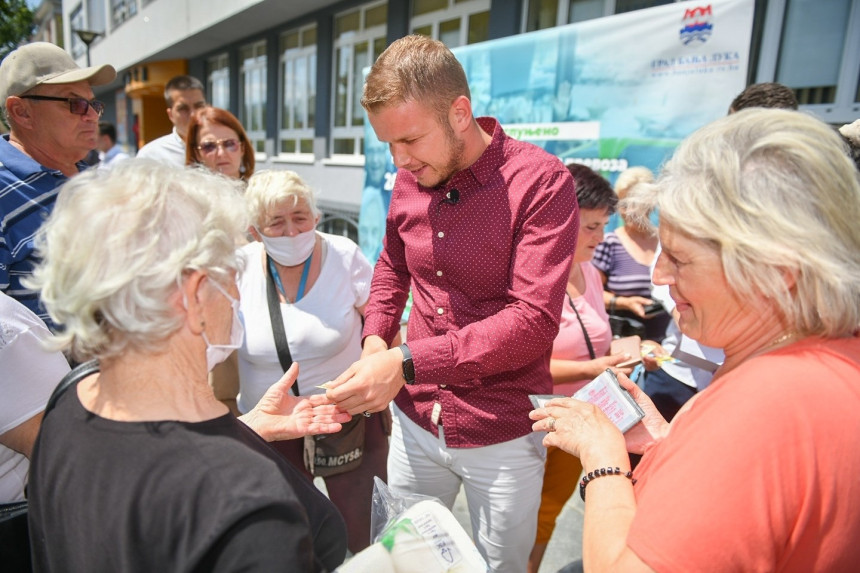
<point x="29" y="375"/>
<point x="168" y="149"/>
<point x="323" y="328"/>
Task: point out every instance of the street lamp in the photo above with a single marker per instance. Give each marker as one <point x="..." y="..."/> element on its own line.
<point x="87" y="37"/>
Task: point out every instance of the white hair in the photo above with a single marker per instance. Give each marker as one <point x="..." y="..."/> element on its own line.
<point x="267" y="189"/>
<point x="118" y="244"/>
<point x="775" y="193"/>
<point x="629" y="181"/>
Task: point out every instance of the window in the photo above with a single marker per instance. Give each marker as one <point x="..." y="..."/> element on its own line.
<point x="811" y="48"/>
<point x="341" y="222"/>
<point x="122" y="10"/>
<point x="622" y="6"/>
<point x="452" y="22"/>
<point x="77" y="22"/>
<point x="298" y="49"/>
<point x="218" y="80"/>
<point x="359" y="39"/>
<point x="252" y="91"/>
<point x="542" y="14"/>
<point x="96" y="17"/>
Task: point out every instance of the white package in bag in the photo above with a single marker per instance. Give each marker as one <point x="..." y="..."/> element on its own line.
<point x="418" y="535"/>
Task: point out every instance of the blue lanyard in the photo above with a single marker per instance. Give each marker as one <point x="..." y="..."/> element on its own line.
<point x="302" y="282"/>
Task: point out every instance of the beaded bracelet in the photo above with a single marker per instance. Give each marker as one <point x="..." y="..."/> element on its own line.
<point x="600" y="473"/>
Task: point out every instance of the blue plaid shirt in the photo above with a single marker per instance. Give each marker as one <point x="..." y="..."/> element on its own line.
<point x="27" y="195"/>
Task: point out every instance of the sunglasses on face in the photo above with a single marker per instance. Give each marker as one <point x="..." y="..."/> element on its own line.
<point x="77" y="105"/>
<point x="230" y="145"/>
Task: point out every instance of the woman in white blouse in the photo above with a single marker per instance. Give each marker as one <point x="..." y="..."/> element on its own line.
<point x="322" y="283"/>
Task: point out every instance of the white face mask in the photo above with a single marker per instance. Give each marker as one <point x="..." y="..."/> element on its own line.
<point x="218" y="353"/>
<point x="290" y="251"/>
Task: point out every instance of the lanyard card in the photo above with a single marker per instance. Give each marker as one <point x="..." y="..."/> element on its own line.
<point x="607" y="394"/>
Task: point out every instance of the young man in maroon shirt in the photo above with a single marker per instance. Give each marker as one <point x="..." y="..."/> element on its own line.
<point x="482" y="228"/>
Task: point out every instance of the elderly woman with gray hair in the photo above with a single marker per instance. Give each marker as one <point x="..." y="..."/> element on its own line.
<point x="758" y="226"/>
<point x="139" y="467"/>
<point x="306" y="290"/>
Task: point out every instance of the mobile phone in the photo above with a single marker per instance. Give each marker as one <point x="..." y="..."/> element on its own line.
<point x="653" y="309"/>
<point x="629" y="345"/>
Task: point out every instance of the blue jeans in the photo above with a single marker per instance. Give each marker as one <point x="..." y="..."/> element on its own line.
<point x="667" y="393"/>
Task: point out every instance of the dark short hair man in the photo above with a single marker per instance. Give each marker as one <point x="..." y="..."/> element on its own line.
<point x="183" y="96"/>
<point x="768" y="94"/>
<point x="109" y="151"/>
<point x="53" y="120"/>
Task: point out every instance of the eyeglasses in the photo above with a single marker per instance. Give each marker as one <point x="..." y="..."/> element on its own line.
<point x="229" y="145"/>
<point x="77" y="105"/>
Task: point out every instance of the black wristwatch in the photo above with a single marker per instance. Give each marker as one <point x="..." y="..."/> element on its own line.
<point x="408" y="366"/>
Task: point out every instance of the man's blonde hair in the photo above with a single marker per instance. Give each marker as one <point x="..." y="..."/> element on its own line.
<point x="419" y="69"/>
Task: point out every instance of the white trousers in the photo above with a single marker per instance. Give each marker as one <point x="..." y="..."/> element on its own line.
<point x="502" y="484"/>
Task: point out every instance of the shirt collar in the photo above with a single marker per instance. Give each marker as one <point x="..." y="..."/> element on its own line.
<point x="22" y="165"/>
<point x="490" y="160"/>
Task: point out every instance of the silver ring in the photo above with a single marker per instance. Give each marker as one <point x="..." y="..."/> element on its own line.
<point x="550" y="425"/>
<point x="366" y="414"/>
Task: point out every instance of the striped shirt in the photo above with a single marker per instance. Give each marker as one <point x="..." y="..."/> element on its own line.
<point x="625" y="276"/>
<point x="27" y="195"/>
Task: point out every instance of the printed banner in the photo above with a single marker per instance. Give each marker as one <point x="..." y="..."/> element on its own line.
<point x="612" y="93"/>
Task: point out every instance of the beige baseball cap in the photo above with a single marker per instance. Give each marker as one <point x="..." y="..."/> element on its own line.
<point x="45" y="63"/>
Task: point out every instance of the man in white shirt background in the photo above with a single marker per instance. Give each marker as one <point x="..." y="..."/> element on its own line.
<point x="183" y="96"/>
<point x="109" y="151"/>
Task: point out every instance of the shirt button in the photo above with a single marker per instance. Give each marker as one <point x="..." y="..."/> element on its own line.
<point x="440" y="310"/>
<point x="438" y="273"/>
<point x="441" y="235"/>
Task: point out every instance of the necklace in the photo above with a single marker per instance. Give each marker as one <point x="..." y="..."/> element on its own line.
<point x="779" y="340"/>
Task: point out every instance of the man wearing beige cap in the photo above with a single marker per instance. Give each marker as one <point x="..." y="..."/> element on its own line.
<point x="47" y="102"/>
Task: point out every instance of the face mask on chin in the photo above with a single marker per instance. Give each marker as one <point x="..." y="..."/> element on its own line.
<point x="218" y="353"/>
<point x="290" y="251"/>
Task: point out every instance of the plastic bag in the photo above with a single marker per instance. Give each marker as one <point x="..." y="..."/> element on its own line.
<point x="414" y="534"/>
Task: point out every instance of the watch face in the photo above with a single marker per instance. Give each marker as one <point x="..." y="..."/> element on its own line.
<point x="408" y="370"/>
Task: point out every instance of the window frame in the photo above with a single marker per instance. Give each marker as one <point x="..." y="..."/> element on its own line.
<point x="218" y="65"/>
<point x="308" y="54"/>
<point x="257" y="137"/>
<point x="846" y="104"/>
<point x="461" y="10"/>
<point x="348" y="41"/>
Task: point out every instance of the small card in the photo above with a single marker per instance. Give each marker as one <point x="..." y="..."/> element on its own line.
<point x="607" y="394"/>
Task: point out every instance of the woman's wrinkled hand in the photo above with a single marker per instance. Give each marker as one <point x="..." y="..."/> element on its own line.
<point x="280" y="415"/>
<point x="580" y="429"/>
<point x="652" y="428"/>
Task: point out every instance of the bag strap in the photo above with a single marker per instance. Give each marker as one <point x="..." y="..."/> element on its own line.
<point x="74" y="376"/>
<point x="582" y="325"/>
<point x="281" y="345"/>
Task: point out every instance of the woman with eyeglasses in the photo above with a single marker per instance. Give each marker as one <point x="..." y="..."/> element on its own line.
<point x="217" y="140"/>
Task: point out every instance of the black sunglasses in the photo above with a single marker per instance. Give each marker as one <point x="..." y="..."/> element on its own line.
<point x="77" y="105"/>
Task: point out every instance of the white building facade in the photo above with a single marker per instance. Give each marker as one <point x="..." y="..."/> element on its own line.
<point x="291" y="70"/>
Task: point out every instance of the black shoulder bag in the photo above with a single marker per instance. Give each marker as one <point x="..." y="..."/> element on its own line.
<point x="324" y="454"/>
<point x="582" y="325"/>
